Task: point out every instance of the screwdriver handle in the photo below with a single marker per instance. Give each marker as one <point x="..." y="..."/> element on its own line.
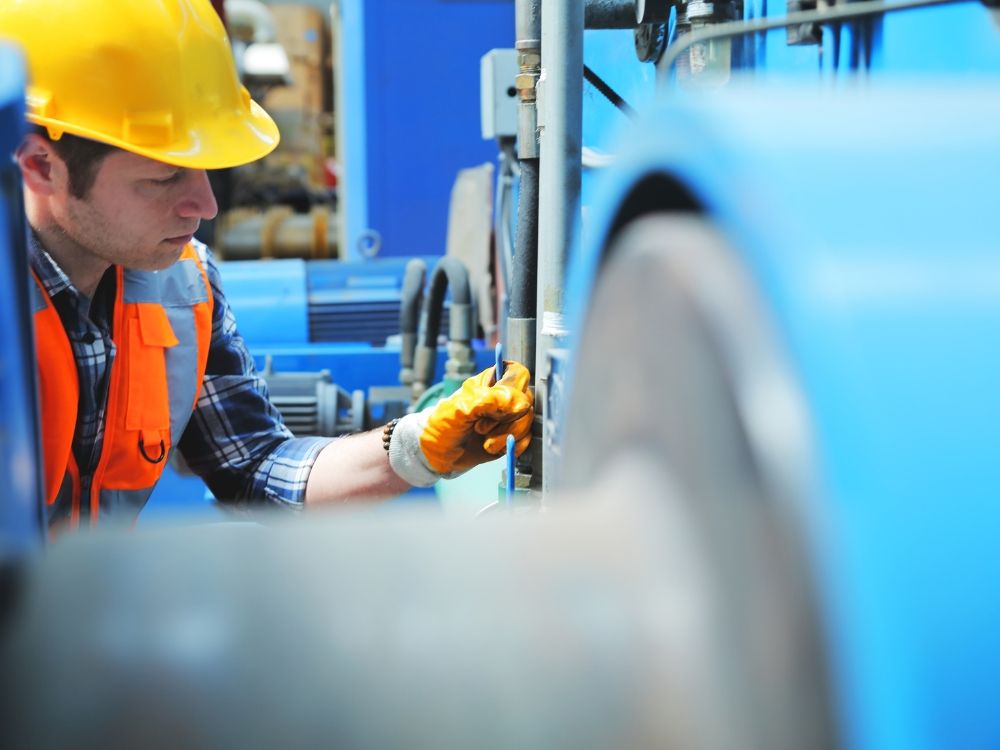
<point x="510" y="471"/>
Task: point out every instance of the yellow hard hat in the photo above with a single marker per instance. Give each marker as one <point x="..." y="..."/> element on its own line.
<point x="154" y="77"/>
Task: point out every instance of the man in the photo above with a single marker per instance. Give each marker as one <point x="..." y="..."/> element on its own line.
<point x="131" y="102"/>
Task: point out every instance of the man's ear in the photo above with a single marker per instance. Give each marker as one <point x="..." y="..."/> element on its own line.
<point x="43" y="172"/>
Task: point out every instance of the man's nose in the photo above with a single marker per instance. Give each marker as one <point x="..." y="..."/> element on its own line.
<point x="198" y="200"/>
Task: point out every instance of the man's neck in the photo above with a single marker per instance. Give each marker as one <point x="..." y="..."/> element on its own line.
<point x="82" y="268"/>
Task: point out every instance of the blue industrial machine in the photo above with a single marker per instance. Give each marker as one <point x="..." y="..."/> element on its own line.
<point x="783" y="296"/>
<point x="760" y="323"/>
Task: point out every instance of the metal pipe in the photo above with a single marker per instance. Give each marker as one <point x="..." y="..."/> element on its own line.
<point x="525" y="271"/>
<point x="409" y="316"/>
<point x="278" y="233"/>
<point x="609" y="14"/>
<point x="560" y="135"/>
<point x="522" y="315"/>
<point x="821" y="15"/>
<point x="528" y="26"/>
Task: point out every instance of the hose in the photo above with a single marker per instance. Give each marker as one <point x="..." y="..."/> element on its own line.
<point x="409" y="316"/>
<point x="451" y="274"/>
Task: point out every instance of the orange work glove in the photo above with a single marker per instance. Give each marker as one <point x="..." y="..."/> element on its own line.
<point x="465" y="429"/>
<point x="472" y="424"/>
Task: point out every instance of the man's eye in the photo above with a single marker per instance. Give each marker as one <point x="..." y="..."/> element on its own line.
<point x="167" y="180"/>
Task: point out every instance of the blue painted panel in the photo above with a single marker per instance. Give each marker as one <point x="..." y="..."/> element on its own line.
<point x="421" y="112"/>
<point x="269" y="299"/>
<point x="352" y="119"/>
<point x="20" y="482"/>
<point x="355" y="366"/>
<point x="867" y="219"/>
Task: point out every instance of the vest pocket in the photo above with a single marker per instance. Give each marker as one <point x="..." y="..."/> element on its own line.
<point x="143" y="438"/>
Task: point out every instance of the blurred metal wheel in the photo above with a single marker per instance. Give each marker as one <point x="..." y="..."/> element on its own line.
<point x="680" y="400"/>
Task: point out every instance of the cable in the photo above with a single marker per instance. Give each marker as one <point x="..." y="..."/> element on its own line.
<point x="610" y="94"/>
<point x="825" y="15"/>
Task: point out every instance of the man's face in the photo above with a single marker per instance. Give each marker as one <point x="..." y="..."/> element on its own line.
<point x="139" y="213"/>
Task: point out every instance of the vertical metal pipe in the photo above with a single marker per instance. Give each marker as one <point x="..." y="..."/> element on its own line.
<point x="528" y="23"/>
<point x="560" y="137"/>
<point x="522" y="318"/>
<point x="521" y="322"/>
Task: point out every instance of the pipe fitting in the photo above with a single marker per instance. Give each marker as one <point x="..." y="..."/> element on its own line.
<point x="525" y="83"/>
<point x="460" y="363"/>
<point x="423" y="369"/>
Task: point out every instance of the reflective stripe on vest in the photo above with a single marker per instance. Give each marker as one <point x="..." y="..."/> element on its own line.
<point x="162" y="329"/>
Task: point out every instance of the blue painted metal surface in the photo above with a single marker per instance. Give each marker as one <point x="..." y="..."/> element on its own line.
<point x="295" y="302"/>
<point x="868" y="221"/>
<point x="20" y="482"/>
<point x="867" y="218"/>
<point x="269" y="298"/>
<point x="411" y="113"/>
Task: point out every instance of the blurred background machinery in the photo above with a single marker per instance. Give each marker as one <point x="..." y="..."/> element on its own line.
<point x="749" y="251"/>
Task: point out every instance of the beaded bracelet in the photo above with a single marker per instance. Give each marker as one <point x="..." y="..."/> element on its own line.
<point x="387" y="433"/>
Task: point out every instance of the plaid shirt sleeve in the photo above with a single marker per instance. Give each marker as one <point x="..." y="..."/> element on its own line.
<point x="236" y="440"/>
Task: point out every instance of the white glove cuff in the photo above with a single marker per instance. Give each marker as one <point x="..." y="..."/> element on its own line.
<point x="405" y="456"/>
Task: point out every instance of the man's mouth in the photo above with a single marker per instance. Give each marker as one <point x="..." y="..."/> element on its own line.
<point x="180" y="239"/>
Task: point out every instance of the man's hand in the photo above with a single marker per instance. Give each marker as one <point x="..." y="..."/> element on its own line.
<point x="471" y="426"/>
<point x="465" y="429"/>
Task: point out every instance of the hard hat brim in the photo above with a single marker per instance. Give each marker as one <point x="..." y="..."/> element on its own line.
<point x="227" y="140"/>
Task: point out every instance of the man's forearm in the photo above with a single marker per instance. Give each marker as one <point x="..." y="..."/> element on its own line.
<point x="353" y="468"/>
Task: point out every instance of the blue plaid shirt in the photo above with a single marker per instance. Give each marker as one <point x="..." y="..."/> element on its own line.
<point x="236" y="440"/>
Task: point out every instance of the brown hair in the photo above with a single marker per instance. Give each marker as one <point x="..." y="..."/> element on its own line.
<point x="82" y="157"/>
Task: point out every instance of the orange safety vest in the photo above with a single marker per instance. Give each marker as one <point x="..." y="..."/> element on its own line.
<point x="162" y="329"/>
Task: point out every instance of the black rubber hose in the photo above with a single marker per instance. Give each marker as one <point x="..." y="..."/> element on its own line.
<point x="609" y="93"/>
<point x="412" y="296"/>
<point x="409" y="309"/>
<point x="451" y="274"/>
<point x="610" y="14"/>
<point x="524" y="275"/>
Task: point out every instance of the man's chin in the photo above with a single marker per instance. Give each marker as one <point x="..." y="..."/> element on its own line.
<point x="165" y="256"/>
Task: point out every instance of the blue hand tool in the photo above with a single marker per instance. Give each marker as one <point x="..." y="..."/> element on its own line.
<point x="510" y="471"/>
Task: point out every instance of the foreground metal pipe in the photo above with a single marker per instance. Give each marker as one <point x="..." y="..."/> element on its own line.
<point x="559" y="190"/>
